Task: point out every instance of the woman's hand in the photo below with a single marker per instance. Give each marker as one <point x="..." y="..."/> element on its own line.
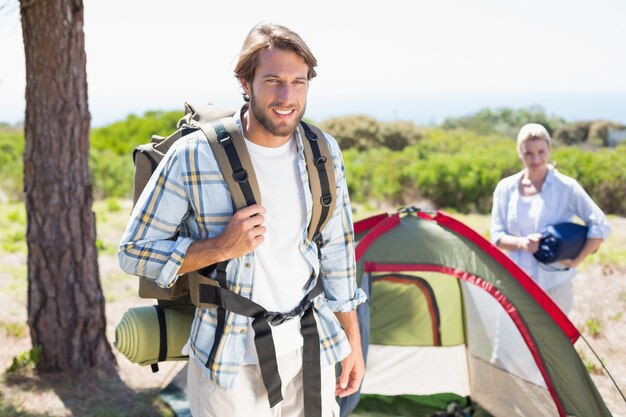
<point x="569" y="263"/>
<point x="530" y="243"/>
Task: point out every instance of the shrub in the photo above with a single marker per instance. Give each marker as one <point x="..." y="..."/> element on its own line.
<point x="357" y="131"/>
<point x="503" y="121"/>
<point x="572" y="134"/>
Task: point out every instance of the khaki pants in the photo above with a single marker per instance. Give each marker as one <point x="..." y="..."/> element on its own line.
<point x="248" y="398"/>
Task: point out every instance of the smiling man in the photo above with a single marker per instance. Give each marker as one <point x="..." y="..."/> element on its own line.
<point x="308" y="283"/>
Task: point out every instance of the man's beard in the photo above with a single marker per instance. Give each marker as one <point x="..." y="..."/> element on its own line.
<point x="265" y="120"/>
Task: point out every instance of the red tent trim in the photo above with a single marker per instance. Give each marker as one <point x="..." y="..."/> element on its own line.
<point x="525" y="281"/>
<point x="368" y="223"/>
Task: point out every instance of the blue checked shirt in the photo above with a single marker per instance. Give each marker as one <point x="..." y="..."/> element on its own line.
<point x="187" y="194"/>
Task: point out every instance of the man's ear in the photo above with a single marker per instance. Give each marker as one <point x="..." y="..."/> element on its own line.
<point x="245" y="85"/>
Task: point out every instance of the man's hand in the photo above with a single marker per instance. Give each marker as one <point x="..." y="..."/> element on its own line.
<point x="353" y="365"/>
<point x="243" y="233"/>
<point x="352" y="372"/>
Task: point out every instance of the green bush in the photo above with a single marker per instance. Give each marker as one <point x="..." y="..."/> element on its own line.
<point x="601" y="173"/>
<point x="456" y="166"/>
<point x="503" y="121"/>
<point x="599" y="132"/>
<point x="572" y="134"/>
<point x="122" y="137"/>
<point x="357" y="131"/>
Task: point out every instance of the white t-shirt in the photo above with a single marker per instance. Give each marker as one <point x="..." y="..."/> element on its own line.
<point x="281" y="272"/>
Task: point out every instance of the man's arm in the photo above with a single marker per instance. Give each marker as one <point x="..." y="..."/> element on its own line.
<point x="338" y="269"/>
<point x="353" y="365"/>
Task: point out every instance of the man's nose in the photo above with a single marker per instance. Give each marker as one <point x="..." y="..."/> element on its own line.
<point x="285" y="93"/>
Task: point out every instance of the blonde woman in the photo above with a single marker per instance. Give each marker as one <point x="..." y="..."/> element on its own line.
<point x="537" y="197"/>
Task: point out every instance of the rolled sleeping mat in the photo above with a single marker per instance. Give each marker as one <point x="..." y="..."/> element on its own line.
<point x="151" y="334"/>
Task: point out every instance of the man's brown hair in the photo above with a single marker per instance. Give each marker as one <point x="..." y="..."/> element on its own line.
<point x="267" y="36"/>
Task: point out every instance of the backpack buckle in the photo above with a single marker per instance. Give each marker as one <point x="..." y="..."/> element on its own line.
<point x="319" y="162"/>
<point x="223" y="138"/>
<point x="326" y="199"/>
<point x="240" y="176"/>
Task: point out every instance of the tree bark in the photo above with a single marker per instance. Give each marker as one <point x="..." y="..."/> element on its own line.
<point x="65" y="301"/>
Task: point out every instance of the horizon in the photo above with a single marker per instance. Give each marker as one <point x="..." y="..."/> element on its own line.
<point x="424" y="109"/>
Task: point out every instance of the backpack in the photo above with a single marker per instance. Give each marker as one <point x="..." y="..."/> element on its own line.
<point x="176" y="305"/>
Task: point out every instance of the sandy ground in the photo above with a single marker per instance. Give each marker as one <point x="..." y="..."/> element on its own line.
<point x="599" y="312"/>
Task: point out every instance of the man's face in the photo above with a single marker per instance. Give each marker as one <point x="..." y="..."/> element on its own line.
<point x="278" y="91"/>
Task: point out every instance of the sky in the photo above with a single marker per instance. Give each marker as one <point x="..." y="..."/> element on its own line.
<point x="412" y="60"/>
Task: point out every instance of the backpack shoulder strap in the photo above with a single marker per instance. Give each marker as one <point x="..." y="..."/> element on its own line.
<point x="229" y="148"/>
<point x="232" y="155"/>
<point x="320" y="166"/>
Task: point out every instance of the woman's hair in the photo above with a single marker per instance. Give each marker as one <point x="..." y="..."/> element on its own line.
<point x="267" y="36"/>
<point x="532" y="131"/>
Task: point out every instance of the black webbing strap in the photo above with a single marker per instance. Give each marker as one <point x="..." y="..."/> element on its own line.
<point x="326" y="198"/>
<point x="221" y="315"/>
<point x="240" y="175"/>
<point x="311" y="373"/>
<point x="162" y="338"/>
<point x="264" y="344"/>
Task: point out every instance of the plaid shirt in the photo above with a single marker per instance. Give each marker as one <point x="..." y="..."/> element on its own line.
<point x="187" y="194"/>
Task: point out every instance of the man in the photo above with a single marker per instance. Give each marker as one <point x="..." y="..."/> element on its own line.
<point x="271" y="260"/>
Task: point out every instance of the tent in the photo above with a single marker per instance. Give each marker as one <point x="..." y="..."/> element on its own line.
<point x="451" y="319"/>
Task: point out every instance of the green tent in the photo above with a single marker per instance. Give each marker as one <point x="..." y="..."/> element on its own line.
<point x="451" y="319"/>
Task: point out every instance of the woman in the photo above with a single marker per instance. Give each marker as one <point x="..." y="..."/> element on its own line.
<point x="537" y="197"/>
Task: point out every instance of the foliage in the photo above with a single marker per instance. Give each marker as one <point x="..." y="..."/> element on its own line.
<point x="26" y="359"/>
<point x="503" y="121"/>
<point x="11" y="162"/>
<point x="121" y="138"/>
<point x="455" y="166"/>
<point x="450" y="169"/>
<point x="13" y="226"/>
<point x="13" y="329"/>
<point x="572" y="134"/>
<point x="593" y="325"/>
<point x="601" y="174"/>
<point x="363" y="132"/>
<point x="592" y="133"/>
<point x="590" y="364"/>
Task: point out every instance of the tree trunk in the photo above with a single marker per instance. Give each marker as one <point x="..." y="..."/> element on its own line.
<point x="65" y="302"/>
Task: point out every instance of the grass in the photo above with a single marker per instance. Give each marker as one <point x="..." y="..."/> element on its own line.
<point x="118" y="286"/>
<point x="13" y="227"/>
<point x="9" y="410"/>
<point x="593" y="326"/>
<point x="17" y="282"/>
<point x="613" y="250"/>
<point x="13" y="329"/>
<point x="592" y="366"/>
<point x="28" y="359"/>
